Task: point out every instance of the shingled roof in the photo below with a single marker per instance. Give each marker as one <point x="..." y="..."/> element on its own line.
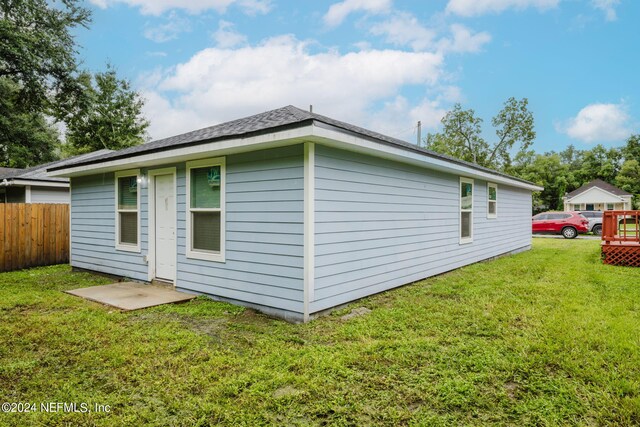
<point x="603" y="185"/>
<point x="269" y="121"/>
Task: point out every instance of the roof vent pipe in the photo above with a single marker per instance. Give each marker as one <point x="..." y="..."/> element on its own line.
<point x="310" y="108"/>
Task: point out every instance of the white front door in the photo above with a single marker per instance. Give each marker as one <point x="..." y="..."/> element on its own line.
<point x="165" y="228"/>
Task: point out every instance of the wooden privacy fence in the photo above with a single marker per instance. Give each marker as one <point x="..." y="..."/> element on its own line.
<point x="33" y="234"/>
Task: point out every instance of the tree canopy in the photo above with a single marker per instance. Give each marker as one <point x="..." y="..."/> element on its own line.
<point x="108" y="116"/>
<point x="461" y="136"/>
<point x="38" y="51"/>
<point x="27" y="138"/>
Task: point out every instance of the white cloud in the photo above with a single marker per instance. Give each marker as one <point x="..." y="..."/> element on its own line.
<point x="481" y="7"/>
<point x="219" y="84"/>
<point x="404" y="29"/>
<point x="464" y="40"/>
<point x="226" y="37"/>
<point x="157" y="7"/>
<point x="598" y="123"/>
<point x="168" y="31"/>
<point x="608" y="7"/>
<point x="399" y="118"/>
<point x="339" y="11"/>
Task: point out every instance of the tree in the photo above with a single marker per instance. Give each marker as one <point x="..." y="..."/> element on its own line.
<point x="598" y="163"/>
<point x="631" y="151"/>
<point x="109" y="115"/>
<point x="27" y="138"/>
<point x="37" y="50"/>
<point x="549" y="171"/>
<point x="37" y="76"/>
<point x="461" y="136"/>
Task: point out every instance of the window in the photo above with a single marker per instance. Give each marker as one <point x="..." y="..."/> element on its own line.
<point x="466" y="210"/>
<point x="609" y="206"/>
<point x="492" y="200"/>
<point x="127" y="211"/>
<point x="589" y="207"/>
<point x="576" y="207"/>
<point x="205" y="204"/>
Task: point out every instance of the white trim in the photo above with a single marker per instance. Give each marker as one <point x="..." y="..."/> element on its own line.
<point x="124" y="174"/>
<point x="151" y="199"/>
<point x="465" y="240"/>
<point x="589" y="190"/>
<point x="70" y="224"/>
<point x="309" y="226"/>
<point x="195" y="254"/>
<point x="194" y="152"/>
<point x="36" y="183"/>
<point x="320" y="134"/>
<point x="27" y="194"/>
<point x="495" y="214"/>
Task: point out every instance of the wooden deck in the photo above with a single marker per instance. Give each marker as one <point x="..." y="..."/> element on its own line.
<point x="621" y="238"/>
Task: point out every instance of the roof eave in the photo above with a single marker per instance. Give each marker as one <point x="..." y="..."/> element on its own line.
<point x="307" y="130"/>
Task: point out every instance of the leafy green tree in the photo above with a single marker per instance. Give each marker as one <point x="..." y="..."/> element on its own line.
<point x="598" y="163"/>
<point x="549" y="171"/>
<point x="109" y="115"/>
<point x="629" y="179"/>
<point x="631" y="151"/>
<point x="38" y="51"/>
<point x="27" y="138"/>
<point x="461" y="136"/>
<point x="37" y="75"/>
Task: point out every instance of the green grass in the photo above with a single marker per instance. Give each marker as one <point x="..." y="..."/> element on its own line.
<point x="547" y="337"/>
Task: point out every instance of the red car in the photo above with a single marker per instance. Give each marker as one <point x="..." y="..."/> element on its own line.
<point x="569" y="224"/>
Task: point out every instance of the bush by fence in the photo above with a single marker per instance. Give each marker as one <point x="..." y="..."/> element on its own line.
<point x="33" y="234"/>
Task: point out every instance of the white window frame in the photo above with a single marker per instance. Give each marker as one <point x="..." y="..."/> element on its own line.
<point x="495" y="214"/>
<point x="465" y="240"/>
<point x="199" y="254"/>
<point x="127" y="246"/>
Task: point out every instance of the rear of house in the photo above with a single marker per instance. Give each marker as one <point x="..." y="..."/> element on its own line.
<point x="289" y="212"/>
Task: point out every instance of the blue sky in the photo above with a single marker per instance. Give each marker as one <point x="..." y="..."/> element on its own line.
<point x="382" y="64"/>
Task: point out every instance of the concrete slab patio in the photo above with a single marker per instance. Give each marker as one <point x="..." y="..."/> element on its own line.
<point x="131" y="295"/>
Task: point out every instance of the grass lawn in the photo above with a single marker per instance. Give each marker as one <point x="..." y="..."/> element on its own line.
<point x="547" y="337"/>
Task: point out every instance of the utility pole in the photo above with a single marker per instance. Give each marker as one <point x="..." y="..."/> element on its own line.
<point x="419" y="133"/>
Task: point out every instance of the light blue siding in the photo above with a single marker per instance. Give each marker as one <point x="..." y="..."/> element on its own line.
<point x="381" y="224"/>
<point x="49" y="195"/>
<point x="93" y="229"/>
<point x="264" y="234"/>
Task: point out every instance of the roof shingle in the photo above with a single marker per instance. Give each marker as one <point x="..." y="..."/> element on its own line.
<point x="261" y="123"/>
<point x="603" y="185"/>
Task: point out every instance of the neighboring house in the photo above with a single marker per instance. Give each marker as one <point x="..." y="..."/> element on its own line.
<point x="289" y="212"/>
<point x="597" y="195"/>
<point x="33" y="185"/>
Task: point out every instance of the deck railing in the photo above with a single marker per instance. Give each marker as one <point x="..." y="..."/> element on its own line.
<point x="621" y="226"/>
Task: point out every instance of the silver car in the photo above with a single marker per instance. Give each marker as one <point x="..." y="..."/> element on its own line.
<point x="595" y="221"/>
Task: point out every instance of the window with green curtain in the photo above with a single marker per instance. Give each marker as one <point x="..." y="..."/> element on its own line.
<point x="466" y="190"/>
<point x="205" y="187"/>
<point x="128" y="210"/>
<point x="128" y="193"/>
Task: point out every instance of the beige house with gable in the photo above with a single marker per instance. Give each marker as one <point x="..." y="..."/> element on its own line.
<point x="597" y="195"/>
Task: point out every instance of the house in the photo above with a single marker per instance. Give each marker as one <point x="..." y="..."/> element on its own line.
<point x="597" y="195"/>
<point x="33" y="185"/>
<point x="289" y="212"/>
